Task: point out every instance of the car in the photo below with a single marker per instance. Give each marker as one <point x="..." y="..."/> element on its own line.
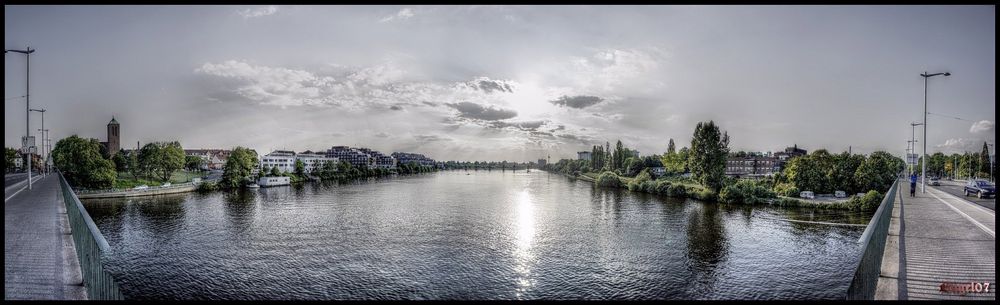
<point x="935" y="182"/>
<point x="166" y="184"/>
<point x="141" y="187"/>
<point x="982" y="188"/>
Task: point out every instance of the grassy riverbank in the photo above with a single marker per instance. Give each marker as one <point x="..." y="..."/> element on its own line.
<point x="740" y="192"/>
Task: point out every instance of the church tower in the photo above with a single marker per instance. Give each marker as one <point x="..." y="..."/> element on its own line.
<point x="114" y="140"/>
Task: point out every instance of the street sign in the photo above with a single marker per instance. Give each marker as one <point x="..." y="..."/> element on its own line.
<point x="29" y="150"/>
<point x="27" y="141"/>
<point x="911" y="159"/>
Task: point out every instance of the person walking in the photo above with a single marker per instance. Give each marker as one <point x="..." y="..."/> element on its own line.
<point x="913" y="184"/>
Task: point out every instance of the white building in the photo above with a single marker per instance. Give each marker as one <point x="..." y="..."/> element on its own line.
<point x="284" y="160"/>
<point x="583" y="155"/>
<point x="314" y="162"/>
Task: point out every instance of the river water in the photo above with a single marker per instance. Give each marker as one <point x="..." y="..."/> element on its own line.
<point x="471" y="235"/>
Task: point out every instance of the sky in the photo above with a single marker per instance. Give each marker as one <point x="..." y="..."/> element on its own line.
<point x="514" y="83"/>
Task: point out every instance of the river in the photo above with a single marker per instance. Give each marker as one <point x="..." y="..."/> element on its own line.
<point x="470" y="235"/>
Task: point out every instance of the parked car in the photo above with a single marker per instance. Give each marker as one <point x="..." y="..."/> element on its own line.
<point x="141" y="187"/>
<point x="166" y="184"/>
<point x="807" y="195"/>
<point x="935" y="181"/>
<point x="982" y="188"/>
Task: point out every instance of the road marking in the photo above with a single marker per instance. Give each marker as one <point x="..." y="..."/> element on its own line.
<point x="968" y="201"/>
<point x="33" y="179"/>
<point x="977" y="223"/>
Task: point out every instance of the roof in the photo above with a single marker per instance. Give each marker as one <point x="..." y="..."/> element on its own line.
<point x="113" y="121"/>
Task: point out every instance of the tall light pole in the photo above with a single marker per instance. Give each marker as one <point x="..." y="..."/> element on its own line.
<point x="27" y="102"/>
<point x="923" y="166"/>
<point x="42" y="111"/>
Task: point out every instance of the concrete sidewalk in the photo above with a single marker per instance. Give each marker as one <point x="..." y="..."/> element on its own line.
<point x="937" y="238"/>
<point x="40" y="260"/>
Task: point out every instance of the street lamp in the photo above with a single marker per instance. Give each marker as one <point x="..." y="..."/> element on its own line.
<point x="42" y="111"/>
<point x="923" y="166"/>
<point x="27" y="102"/>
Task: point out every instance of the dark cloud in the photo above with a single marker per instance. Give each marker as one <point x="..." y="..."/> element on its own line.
<point x="432" y="104"/>
<point x="475" y="111"/>
<point x="578" y="102"/>
<point x="382" y="135"/>
<point x="396" y="107"/>
<point x="490" y="86"/>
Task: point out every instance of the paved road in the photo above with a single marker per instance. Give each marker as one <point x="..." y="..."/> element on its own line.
<point x="10" y="179"/>
<point x="40" y="260"/>
<point x="957" y="188"/>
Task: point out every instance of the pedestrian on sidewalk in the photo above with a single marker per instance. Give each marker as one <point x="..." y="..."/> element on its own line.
<point x="913" y="184"/>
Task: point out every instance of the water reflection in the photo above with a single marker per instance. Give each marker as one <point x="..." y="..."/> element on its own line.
<point x="525" y="226"/>
<point x="162" y="214"/>
<point x="707" y="242"/>
<point x="240" y="207"/>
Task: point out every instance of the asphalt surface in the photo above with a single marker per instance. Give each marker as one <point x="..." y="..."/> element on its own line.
<point x="10" y="179"/>
<point x="957" y="188"/>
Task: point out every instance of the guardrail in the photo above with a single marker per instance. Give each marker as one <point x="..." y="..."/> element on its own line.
<point x="870" y="266"/>
<point x="90" y="246"/>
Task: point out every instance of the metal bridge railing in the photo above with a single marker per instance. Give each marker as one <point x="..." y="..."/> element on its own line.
<point x="90" y="245"/>
<point x="870" y="266"/>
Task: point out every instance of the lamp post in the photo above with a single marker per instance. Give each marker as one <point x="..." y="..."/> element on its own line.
<point x="41" y="130"/>
<point x="923" y="166"/>
<point x="27" y="102"/>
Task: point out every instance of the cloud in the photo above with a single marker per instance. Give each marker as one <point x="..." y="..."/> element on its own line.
<point x="431" y="138"/>
<point x="382" y="135"/>
<point x="578" y="102"/>
<point x="526" y="125"/>
<point x="475" y="111"/>
<point x="396" y="107"/>
<point x="488" y="86"/>
<point x="958" y="145"/>
<point x="984" y="126"/>
<point x="271" y="86"/>
<point x="402" y="14"/>
<point x="258" y="11"/>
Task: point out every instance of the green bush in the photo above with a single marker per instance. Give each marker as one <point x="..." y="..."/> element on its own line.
<point x="677" y="190"/>
<point x="649" y="186"/>
<point x="871" y="200"/>
<point x="745" y="191"/>
<point x="609" y="179"/>
<point x="702" y="193"/>
<point x="786" y="189"/>
<point x="207" y="187"/>
<point x="663" y="187"/>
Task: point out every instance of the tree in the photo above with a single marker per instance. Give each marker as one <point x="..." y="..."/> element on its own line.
<point x="10" y="157"/>
<point x="707" y="158"/>
<point x="805" y="174"/>
<point x="193" y="162"/>
<point x="275" y="171"/>
<point x="239" y="167"/>
<point x="633" y="166"/>
<point x="149" y="158"/>
<point x="81" y="163"/>
<point x="300" y="168"/>
<point x="671" y="148"/>
<point x="842" y="175"/>
<point x="120" y="161"/>
<point x="133" y="164"/>
<point x="171" y="160"/>
<point x="619" y="157"/>
<point x="984" y="161"/>
<point x="878" y="172"/>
